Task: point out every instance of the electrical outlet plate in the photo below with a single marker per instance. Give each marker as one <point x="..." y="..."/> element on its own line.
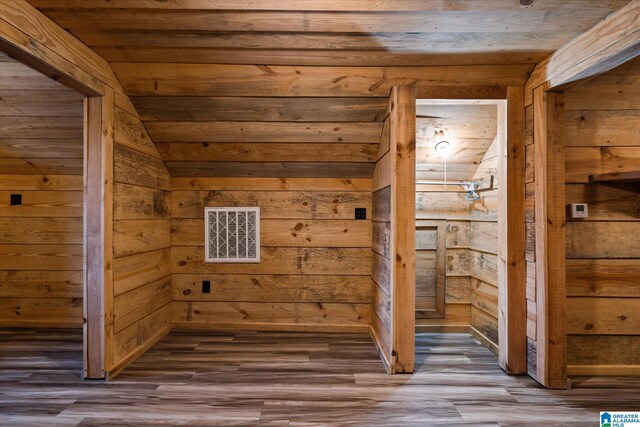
<point x="206" y="286"/>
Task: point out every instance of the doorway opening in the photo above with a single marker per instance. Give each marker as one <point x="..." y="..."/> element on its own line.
<point x="42" y="231"/>
<point x="461" y="216"/>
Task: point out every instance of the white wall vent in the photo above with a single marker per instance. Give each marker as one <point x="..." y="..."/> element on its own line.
<point x="232" y="234"/>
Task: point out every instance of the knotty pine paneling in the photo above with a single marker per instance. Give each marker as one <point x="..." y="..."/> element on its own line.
<point x="160" y="79"/>
<point x="141" y="240"/>
<point x="260" y="109"/>
<point x="316" y="259"/>
<point x="602" y="251"/>
<point x="304" y="204"/>
<point x="41" y="156"/>
<point x="286" y="232"/>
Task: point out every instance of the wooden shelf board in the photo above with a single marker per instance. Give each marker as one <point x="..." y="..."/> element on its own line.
<point x="620" y="176"/>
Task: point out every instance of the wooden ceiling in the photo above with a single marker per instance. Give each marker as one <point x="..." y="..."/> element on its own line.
<point x="327" y="32"/>
<point x="469" y="129"/>
<point x="285" y="88"/>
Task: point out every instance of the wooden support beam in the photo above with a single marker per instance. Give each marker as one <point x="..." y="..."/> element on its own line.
<point x="34" y="34"/>
<point x="551" y="328"/>
<point x="402" y="146"/>
<point x="512" y="313"/>
<point x="28" y="51"/>
<point x="612" y="42"/>
<point x="98" y="235"/>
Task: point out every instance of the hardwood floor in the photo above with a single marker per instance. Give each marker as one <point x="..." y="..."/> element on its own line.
<point x="286" y="379"/>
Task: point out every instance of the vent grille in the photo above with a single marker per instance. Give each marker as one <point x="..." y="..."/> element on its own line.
<point x="232" y="234"/>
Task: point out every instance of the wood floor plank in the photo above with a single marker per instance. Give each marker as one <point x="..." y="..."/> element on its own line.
<point x="250" y="378"/>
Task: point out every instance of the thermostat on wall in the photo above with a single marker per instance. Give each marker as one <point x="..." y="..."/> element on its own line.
<point x="579" y="210"/>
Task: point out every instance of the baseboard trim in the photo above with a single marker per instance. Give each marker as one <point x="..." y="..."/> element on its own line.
<point x="383" y="357"/>
<point x="604" y="370"/>
<point x="484" y="340"/>
<point x="447" y="329"/>
<point x="131" y="357"/>
<point x="41" y="324"/>
<point x="279" y="327"/>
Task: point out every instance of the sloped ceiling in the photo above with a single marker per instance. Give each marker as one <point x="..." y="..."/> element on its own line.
<point x="469" y="129"/>
<point x="298" y="88"/>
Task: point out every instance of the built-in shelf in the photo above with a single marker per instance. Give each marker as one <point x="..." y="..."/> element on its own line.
<point x="619" y="176"/>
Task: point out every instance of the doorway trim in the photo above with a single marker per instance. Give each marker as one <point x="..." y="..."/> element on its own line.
<point x="57" y="60"/>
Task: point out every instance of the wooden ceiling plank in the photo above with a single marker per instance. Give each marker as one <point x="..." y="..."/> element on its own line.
<point x="271" y="170"/>
<point x="320" y="57"/>
<point x="451" y="109"/>
<point x="462" y="42"/>
<point x="439" y="167"/>
<point x="470" y="92"/>
<point x="260" y="80"/>
<point x="264" y="132"/>
<point x="285" y="109"/>
<point x="438" y="176"/>
<point x="463" y="143"/>
<point x="606" y="45"/>
<point x="334" y="5"/>
<point x="470" y="127"/>
<point x="270" y="184"/>
<point x="497" y="20"/>
<point x="471" y="156"/>
<point x="268" y="152"/>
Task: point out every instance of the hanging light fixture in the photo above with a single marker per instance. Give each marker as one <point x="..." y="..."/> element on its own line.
<point x="443" y="148"/>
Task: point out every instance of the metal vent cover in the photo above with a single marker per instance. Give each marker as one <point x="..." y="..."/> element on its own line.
<point x="232" y="234"/>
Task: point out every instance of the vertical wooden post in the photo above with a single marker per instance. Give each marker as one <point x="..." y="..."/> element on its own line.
<point x="512" y="308"/>
<point x="98" y="235"/>
<point x="550" y="238"/>
<point x="403" y="148"/>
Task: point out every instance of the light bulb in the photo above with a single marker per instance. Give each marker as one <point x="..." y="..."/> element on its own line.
<point x="443" y="148"/>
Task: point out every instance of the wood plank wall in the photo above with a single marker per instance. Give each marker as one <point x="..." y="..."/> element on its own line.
<point x="315" y="257"/>
<point x="41" y="159"/>
<point x="602" y="121"/>
<point x="382" y="268"/>
<point x="530" y="246"/>
<point x="141" y="240"/>
<point x="136" y="165"/>
<point x="393" y="245"/>
<point x="483" y="245"/>
<point x="451" y="209"/>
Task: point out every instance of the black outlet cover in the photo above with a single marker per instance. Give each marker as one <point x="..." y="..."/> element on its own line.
<point x="16" y="200"/>
<point x="206" y="287"/>
<point x="361" y="213"/>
